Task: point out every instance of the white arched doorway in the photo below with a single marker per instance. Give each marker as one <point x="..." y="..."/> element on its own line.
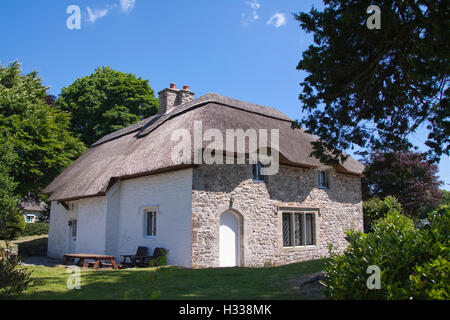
<point x="229" y="240"/>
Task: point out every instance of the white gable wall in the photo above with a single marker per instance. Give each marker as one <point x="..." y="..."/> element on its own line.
<point x="59" y="231"/>
<point x="115" y="224"/>
<point x="91" y="229"/>
<point x="172" y="193"/>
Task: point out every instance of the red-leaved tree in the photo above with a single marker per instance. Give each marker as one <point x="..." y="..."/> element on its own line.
<point x="405" y="175"/>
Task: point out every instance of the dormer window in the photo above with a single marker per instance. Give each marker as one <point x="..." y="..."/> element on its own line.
<point x="322" y="179"/>
<point x="257" y="172"/>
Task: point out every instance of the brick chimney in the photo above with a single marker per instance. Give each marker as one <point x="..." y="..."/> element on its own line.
<point x="172" y="97"/>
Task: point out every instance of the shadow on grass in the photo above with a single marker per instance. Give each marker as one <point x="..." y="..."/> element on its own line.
<point x="34" y="247"/>
<point x="174" y="283"/>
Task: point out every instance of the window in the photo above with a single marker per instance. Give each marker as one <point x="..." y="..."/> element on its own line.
<point x="323" y="179"/>
<point x="299" y="229"/>
<point x="150" y="223"/>
<point x="73" y="225"/>
<point x="257" y="172"/>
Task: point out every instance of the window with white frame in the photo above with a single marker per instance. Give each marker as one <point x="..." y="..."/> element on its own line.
<point x="150" y="223"/>
<point x="322" y="179"/>
<point x="299" y="229"/>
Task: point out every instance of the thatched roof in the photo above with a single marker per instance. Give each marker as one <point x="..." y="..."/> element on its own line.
<point x="145" y="147"/>
<point x="31" y="204"/>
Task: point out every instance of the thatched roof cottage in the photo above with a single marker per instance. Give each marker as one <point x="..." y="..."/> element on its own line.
<point x="128" y="191"/>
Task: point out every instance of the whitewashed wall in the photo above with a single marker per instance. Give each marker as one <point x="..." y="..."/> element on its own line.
<point x="91" y="229"/>
<point x="59" y="231"/>
<point x="172" y="193"/>
<point x="115" y="224"/>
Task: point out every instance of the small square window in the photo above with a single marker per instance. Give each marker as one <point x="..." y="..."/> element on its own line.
<point x="323" y="179"/>
<point x="257" y="172"/>
<point x="150" y="223"/>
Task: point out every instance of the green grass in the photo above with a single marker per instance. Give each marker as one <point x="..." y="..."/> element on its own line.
<point x="30" y="245"/>
<point x="173" y="283"/>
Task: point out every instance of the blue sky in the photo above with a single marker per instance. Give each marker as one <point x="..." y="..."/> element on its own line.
<point x="245" y="49"/>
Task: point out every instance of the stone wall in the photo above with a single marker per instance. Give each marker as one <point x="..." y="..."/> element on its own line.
<point x="219" y="188"/>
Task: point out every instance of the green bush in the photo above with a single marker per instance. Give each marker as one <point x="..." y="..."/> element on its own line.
<point x="14" y="278"/>
<point x="35" y="229"/>
<point x="414" y="263"/>
<point x="375" y="209"/>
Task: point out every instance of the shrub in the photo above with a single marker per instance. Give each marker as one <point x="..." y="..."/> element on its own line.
<point x="35" y="229"/>
<point x="161" y="260"/>
<point x="13" y="278"/>
<point x="432" y="279"/>
<point x="414" y="263"/>
<point x="375" y="209"/>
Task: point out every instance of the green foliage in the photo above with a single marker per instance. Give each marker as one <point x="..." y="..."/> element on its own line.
<point x="432" y="279"/>
<point x="161" y="260"/>
<point x="13" y="277"/>
<point x="445" y="199"/>
<point x="106" y="101"/>
<point x="35" y="229"/>
<point x="414" y="263"/>
<point x="38" y="132"/>
<point x="375" y="209"/>
<point x="11" y="219"/>
<point x="372" y="88"/>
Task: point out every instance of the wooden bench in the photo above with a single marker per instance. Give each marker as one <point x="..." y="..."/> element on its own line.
<point x="98" y="258"/>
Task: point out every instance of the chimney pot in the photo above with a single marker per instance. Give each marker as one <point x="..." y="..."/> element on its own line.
<point x="186" y="88"/>
<point x="173" y="86"/>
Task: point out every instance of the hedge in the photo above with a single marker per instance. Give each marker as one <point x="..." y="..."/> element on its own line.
<point x="35" y="229"/>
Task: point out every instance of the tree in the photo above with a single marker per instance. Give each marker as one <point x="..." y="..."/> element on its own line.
<point x="12" y="222"/>
<point x="405" y="175"/>
<point x="106" y="101"/>
<point x="373" y="88"/>
<point x="445" y="200"/>
<point x="39" y="133"/>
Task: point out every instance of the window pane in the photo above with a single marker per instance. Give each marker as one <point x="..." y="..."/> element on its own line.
<point x="287" y="229"/>
<point x="298" y="230"/>
<point x="150" y="224"/>
<point x="309" y="229"/>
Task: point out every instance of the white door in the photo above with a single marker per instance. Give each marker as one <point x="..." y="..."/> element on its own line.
<point x="73" y="236"/>
<point x="229" y="240"/>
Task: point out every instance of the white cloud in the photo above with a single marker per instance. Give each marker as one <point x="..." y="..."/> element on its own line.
<point x="253" y="15"/>
<point x="127" y="5"/>
<point x="277" y="20"/>
<point x="95" y="14"/>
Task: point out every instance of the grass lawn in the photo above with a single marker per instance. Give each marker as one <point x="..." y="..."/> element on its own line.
<point x="174" y="283"/>
<point x="30" y="246"/>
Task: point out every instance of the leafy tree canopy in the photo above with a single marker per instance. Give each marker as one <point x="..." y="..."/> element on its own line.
<point x="12" y="222"/>
<point x="38" y="132"/>
<point x="106" y="101"/>
<point x="445" y="201"/>
<point x="373" y="88"/>
<point x="405" y="175"/>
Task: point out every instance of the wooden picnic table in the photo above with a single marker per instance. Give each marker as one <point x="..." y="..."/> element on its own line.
<point x="84" y="257"/>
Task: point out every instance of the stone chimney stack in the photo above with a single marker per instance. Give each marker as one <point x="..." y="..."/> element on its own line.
<point x="172" y="97"/>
